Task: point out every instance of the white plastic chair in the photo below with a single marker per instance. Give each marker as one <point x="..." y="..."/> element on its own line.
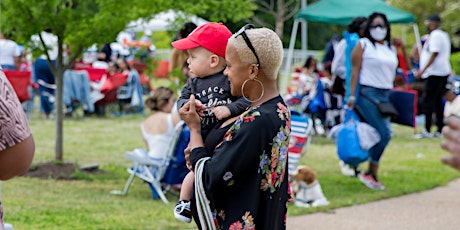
<point x="151" y="170"/>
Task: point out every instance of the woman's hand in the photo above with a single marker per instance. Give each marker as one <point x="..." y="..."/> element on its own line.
<point x="351" y="102"/>
<point x="189" y="114"/>
<point x="200" y="108"/>
<point x="398" y="42"/>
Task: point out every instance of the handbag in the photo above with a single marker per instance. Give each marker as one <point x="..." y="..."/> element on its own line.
<point x="349" y="149"/>
<point x="387" y="109"/>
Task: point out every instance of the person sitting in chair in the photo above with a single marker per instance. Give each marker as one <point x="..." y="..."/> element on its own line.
<point x="158" y="128"/>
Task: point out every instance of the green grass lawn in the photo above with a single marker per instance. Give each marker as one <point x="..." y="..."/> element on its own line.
<point x="408" y="165"/>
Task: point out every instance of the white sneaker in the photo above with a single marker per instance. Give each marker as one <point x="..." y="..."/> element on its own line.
<point x="8" y="226"/>
<point x="437" y="135"/>
<point x="182" y="211"/>
<point x="424" y="134"/>
<point x="319" y="127"/>
<point x="346" y="169"/>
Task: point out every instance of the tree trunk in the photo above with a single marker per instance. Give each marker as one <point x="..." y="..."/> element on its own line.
<point x="59" y="113"/>
<point x="279" y="24"/>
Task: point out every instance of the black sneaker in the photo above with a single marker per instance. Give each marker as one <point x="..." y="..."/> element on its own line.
<point x="182" y="211"/>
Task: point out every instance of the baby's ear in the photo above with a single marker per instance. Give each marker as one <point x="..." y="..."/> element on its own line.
<point x="216" y="61"/>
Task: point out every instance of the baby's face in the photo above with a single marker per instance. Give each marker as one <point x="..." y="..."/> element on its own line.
<point x="199" y="60"/>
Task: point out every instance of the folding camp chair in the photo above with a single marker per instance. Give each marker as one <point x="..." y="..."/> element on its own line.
<point x="151" y="170"/>
<point x="301" y="132"/>
<point x="21" y="81"/>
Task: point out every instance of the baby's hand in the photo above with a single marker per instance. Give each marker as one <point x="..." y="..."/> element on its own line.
<point x="221" y="112"/>
<point x="200" y="108"/>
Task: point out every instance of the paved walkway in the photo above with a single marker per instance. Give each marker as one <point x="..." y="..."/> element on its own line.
<point x="438" y="209"/>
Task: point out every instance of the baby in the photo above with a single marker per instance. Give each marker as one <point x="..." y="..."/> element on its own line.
<point x="206" y="49"/>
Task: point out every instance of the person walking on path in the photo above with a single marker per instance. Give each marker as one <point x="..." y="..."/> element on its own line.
<point x="434" y="69"/>
<point x="374" y="62"/>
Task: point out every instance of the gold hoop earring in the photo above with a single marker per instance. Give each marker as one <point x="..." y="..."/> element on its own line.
<point x="247" y="98"/>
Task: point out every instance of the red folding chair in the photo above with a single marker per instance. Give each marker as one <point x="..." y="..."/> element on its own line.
<point x="95" y="75"/>
<point x="20" y="80"/>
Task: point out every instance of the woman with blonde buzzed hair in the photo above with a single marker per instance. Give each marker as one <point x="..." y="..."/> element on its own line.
<point x="245" y="180"/>
<point x="272" y="58"/>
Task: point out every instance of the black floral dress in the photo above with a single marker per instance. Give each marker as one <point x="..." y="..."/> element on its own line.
<point x="246" y="179"/>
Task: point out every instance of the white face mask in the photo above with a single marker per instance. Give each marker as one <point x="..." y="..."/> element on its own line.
<point x="378" y="33"/>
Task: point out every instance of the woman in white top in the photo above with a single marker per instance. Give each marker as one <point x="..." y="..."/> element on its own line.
<point x="158" y="128"/>
<point x="374" y="62"/>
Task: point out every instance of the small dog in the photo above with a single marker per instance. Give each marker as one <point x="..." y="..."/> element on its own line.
<point x="306" y="189"/>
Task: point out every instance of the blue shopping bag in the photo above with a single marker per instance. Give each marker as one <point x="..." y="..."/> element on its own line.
<point x="348" y="147"/>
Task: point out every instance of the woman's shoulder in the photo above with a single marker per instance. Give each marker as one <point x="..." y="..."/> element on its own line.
<point x="364" y="42"/>
<point x="156" y="117"/>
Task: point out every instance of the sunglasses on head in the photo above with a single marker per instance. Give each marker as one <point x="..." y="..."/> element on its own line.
<point x="246" y="39"/>
<point x="378" y="25"/>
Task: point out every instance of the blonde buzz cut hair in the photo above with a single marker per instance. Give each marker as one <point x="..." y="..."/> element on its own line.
<point x="268" y="46"/>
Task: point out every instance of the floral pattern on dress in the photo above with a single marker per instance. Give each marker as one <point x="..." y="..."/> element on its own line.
<point x="247" y="224"/>
<point x="245" y="117"/>
<point x="274" y="166"/>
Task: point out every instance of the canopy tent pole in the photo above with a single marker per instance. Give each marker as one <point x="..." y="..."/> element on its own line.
<point x="304" y="29"/>
<point x="418" y="41"/>
<point x="403" y="34"/>
<point x="287" y="66"/>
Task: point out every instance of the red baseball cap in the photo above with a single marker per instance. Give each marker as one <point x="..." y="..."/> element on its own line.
<point x="212" y="36"/>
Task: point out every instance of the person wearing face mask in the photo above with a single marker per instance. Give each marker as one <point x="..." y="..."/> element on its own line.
<point x="374" y="61"/>
<point x="434" y="69"/>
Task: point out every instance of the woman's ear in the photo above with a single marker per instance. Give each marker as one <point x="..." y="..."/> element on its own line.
<point x="254" y="70"/>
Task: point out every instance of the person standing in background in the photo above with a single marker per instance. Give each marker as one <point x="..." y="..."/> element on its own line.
<point x="374" y="62"/>
<point x="179" y="57"/>
<point x="338" y="67"/>
<point x="9" y="53"/>
<point x="434" y="68"/>
<point x="42" y="70"/>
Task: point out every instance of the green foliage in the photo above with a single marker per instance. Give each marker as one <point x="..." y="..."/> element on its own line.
<point x="81" y="23"/>
<point x="455" y="62"/>
<point x="449" y="10"/>
<point x="217" y="10"/>
<point x="163" y="39"/>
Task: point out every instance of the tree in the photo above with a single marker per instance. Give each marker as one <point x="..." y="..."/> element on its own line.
<point x="81" y="23"/>
<point x="279" y="10"/>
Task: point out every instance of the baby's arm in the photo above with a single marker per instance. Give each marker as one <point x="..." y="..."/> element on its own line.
<point x="188" y="90"/>
<point x="238" y="106"/>
<point x="184" y="94"/>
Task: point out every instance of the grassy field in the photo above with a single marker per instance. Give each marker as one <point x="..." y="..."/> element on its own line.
<point x="407" y="166"/>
